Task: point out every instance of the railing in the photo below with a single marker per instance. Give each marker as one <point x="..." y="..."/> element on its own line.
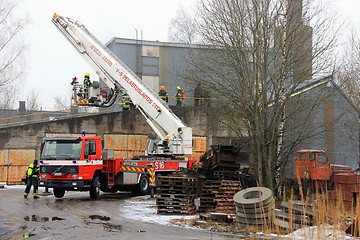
<point x="74" y="112"/>
<point x="47" y="116"/>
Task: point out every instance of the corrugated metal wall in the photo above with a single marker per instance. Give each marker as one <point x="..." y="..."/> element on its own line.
<point x="13" y="164"/>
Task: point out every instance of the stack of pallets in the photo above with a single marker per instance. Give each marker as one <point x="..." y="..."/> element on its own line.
<point x="176" y="195"/>
<point x="218" y="196"/>
<point x="207" y="197"/>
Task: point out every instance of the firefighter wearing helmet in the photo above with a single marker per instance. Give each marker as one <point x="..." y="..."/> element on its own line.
<point x="163" y="94"/>
<point x="87" y="84"/>
<point x="180" y="96"/>
<point x="32" y="176"/>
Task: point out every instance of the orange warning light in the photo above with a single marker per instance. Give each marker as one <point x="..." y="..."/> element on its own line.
<point x="55" y="15"/>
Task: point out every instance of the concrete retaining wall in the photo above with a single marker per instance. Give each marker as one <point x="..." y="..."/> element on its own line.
<point x="125" y="131"/>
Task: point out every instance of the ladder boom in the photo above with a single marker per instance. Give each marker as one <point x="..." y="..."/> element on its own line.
<point x="174" y="137"/>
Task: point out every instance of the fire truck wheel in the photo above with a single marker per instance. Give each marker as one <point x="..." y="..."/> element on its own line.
<point x="95" y="188"/>
<point x="59" y="192"/>
<point x="143" y="186"/>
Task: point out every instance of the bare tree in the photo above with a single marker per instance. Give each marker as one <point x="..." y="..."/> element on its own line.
<point x="32" y="100"/>
<point x="348" y="77"/>
<point x="8" y="97"/>
<point x="7" y="101"/>
<point x="258" y="54"/>
<point x="11" y="44"/>
<point x="182" y="28"/>
<point x="61" y="102"/>
<point x="349" y="71"/>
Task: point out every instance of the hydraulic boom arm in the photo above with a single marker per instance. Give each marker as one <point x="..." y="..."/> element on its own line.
<point x="173" y="136"/>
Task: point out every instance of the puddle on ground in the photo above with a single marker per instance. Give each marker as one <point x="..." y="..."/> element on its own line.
<point x="35" y="218"/>
<point x="22" y="227"/>
<point x="94" y="217"/>
<point x="9" y="224"/>
<point x="102" y="218"/>
<point x="110" y="227"/>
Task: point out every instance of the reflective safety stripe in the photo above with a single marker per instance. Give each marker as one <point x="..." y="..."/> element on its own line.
<point x="132" y="169"/>
<point x="152" y="175"/>
<point x="81" y="101"/>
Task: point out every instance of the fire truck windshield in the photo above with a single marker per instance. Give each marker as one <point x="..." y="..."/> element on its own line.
<point x="61" y="150"/>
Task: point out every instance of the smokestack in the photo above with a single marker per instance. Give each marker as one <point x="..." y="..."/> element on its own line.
<point x="22" y="108"/>
<point x="295" y="11"/>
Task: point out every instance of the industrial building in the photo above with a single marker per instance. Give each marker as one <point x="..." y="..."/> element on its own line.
<point x="156" y="63"/>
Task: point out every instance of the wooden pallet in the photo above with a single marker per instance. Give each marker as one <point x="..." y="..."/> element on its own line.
<point x="176" y="195"/>
<point x="218" y="196"/>
<point x="176" y="181"/>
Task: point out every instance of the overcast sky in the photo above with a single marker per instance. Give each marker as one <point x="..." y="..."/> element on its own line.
<point x="52" y="61"/>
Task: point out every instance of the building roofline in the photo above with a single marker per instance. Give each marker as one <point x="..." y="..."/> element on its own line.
<point x="322" y="80"/>
<point x="151" y="43"/>
<point x="346" y="96"/>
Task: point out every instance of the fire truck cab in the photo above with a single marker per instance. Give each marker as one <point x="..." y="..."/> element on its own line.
<point x="77" y="160"/>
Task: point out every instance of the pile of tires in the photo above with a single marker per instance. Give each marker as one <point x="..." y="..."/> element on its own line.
<point x="253" y="206"/>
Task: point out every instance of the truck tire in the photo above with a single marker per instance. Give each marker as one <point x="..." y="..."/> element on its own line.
<point x="143" y="186"/>
<point x="59" y="192"/>
<point x="95" y="188"/>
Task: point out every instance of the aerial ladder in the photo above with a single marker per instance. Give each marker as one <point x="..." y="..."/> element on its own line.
<point x="172" y="137"/>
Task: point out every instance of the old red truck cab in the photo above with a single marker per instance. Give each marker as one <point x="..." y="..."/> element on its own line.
<point x="312" y="165"/>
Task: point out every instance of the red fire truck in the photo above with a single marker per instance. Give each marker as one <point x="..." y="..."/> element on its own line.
<point x="80" y="163"/>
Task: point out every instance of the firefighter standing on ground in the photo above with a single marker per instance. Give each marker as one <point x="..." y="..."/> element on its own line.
<point x="180" y="95"/>
<point x="32" y="175"/>
<point x="163" y="94"/>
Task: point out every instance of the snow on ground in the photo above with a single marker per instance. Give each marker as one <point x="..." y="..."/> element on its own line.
<point x="14" y="187"/>
<point x="321" y="232"/>
<point x="143" y="208"/>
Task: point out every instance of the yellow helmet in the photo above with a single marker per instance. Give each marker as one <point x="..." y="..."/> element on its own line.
<point x="178" y="88"/>
<point x="87" y="74"/>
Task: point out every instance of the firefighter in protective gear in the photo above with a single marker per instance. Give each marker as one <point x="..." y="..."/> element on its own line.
<point x="128" y="104"/>
<point x="32" y="175"/>
<point x="180" y="95"/>
<point x="87" y="84"/>
<point x="74" y="81"/>
<point x="163" y="94"/>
